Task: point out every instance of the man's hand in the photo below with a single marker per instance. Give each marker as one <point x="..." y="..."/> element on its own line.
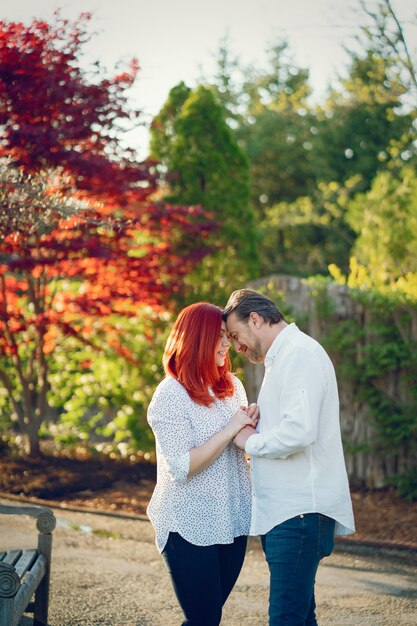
<point x="252" y="410"/>
<point x="243" y="435"/>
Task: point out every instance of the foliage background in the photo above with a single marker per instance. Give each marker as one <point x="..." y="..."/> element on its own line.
<point x="291" y="186"/>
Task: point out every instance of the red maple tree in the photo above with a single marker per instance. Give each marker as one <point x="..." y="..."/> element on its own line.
<point x="82" y="238"/>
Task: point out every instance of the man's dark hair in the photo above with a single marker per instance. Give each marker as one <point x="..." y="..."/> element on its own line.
<point x="244" y="301"/>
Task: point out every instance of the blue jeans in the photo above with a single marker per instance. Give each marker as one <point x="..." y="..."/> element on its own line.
<point x="293" y="551"/>
<point x="203" y="576"/>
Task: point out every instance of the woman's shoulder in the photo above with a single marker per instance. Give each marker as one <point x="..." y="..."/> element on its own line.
<point x="240" y="391"/>
<point x="236" y="382"/>
<point x="169" y="398"/>
<point x="169" y="386"/>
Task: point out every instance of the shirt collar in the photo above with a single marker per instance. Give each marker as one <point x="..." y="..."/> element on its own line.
<point x="277" y="343"/>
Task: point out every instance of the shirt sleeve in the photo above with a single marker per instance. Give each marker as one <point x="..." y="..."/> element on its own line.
<point x="299" y="406"/>
<point x="169" y="420"/>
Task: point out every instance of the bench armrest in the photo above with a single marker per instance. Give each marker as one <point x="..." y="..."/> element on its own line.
<point x="9" y="580"/>
<point x="45" y="519"/>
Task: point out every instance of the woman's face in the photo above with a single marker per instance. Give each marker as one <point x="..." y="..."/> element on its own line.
<point x="223" y="346"/>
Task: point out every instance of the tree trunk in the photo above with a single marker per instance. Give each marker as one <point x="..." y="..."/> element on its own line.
<point x="32" y="440"/>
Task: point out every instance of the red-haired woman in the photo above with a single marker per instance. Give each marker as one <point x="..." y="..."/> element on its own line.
<point x="200" y="508"/>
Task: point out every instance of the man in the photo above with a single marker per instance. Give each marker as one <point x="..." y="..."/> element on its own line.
<point x="300" y="487"/>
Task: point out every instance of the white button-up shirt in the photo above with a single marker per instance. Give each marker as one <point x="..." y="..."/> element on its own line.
<point x="297" y="457"/>
<point x="213" y="506"/>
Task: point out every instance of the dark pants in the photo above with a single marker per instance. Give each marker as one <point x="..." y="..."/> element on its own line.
<point x="293" y="551"/>
<point x="203" y="576"/>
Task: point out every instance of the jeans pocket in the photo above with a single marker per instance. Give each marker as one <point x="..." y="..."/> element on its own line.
<point x="326" y="538"/>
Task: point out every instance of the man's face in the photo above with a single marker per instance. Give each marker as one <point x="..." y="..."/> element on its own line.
<point x="245" y="338"/>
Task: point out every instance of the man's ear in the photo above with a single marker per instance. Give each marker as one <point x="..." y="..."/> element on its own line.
<point x="256" y="319"/>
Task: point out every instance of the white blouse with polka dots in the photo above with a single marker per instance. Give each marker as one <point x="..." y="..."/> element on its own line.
<point x="213" y="506"/>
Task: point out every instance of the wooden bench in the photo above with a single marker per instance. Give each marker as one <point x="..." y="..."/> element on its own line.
<point x="26" y="572"/>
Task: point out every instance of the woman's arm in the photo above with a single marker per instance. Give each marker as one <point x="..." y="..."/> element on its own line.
<point x="201" y="457"/>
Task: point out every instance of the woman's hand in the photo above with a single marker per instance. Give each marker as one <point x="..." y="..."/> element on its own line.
<point x="244" y="419"/>
<point x="244" y="416"/>
<point x="248" y="430"/>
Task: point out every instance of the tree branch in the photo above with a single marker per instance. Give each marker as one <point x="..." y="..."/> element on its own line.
<point x="408" y="62"/>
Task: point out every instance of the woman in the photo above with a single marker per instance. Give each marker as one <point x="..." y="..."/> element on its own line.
<point x="200" y="508"/>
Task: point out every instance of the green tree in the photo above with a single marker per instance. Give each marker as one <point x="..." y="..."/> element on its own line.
<point x="304" y="236"/>
<point x="385" y="221"/>
<point x="268" y="109"/>
<point x="306" y="162"/>
<point x="226" y="84"/>
<point x="163" y="132"/>
<point x="363" y="120"/>
<point x="366" y="126"/>
<point x="269" y="112"/>
<point x="100" y="396"/>
<point x="204" y="166"/>
<point x="278" y="130"/>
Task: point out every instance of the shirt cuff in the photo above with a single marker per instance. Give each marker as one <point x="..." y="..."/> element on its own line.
<point x="251" y="448"/>
<point x="178" y="469"/>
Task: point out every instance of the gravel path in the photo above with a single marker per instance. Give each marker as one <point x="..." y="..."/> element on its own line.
<point x="107" y="572"/>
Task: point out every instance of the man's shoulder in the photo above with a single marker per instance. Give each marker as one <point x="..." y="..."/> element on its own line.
<point x="300" y="341"/>
<point x="298" y="337"/>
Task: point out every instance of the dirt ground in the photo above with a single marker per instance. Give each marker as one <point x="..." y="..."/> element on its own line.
<point x="93" y="552"/>
<point x="104" y="484"/>
<point x="358" y="587"/>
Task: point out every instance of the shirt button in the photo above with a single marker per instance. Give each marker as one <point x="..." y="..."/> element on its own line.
<point x="301" y="515"/>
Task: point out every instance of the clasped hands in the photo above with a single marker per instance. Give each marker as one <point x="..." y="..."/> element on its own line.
<point x="249" y="426"/>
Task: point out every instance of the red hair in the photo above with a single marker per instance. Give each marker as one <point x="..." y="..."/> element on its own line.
<point x="190" y="353"/>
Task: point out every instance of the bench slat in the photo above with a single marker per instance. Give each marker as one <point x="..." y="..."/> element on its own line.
<point x="12" y="556"/>
<point x="2" y="555"/>
<point x="25" y="562"/>
<point x="31" y="582"/>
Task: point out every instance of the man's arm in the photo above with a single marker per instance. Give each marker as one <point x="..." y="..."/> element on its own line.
<point x="299" y="408"/>
<point x="243" y="435"/>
